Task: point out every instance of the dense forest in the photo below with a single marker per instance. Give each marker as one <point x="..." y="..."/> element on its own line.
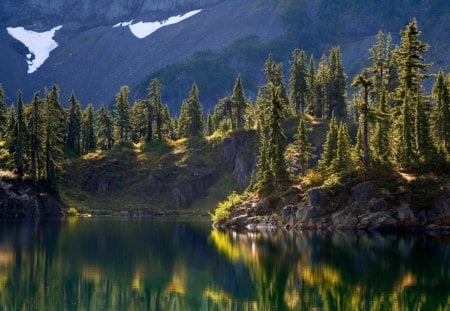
<point x="398" y="124"/>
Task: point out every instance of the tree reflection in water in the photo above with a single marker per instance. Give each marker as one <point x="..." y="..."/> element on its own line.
<point x="155" y="265"/>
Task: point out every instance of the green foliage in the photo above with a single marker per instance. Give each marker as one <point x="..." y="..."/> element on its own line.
<point x="191" y="115"/>
<point x="88" y="131"/>
<point x="104" y="124"/>
<point x="3" y="114"/>
<point x="330" y="146"/>
<point x="73" y="140"/>
<point x="298" y="87"/>
<point x="342" y="162"/>
<point x="225" y="208"/>
<point x="440" y="118"/>
<point x="122" y="114"/>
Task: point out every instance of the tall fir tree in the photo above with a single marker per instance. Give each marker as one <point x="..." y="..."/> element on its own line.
<point x="19" y="135"/>
<point x="441" y="114"/>
<point x="105" y="129"/>
<point x="238" y="99"/>
<point x="3" y="114"/>
<point x="122" y="113"/>
<point x="156" y="107"/>
<point x="274" y="74"/>
<point x="323" y="88"/>
<point x="303" y="146"/>
<point x="88" y="130"/>
<point x="35" y="130"/>
<point x="298" y="87"/>
<point x="55" y="120"/>
<point x="342" y="162"/>
<point x="365" y="83"/>
<point x="73" y="140"/>
<point x="378" y="61"/>
<point x="381" y="146"/>
<point x="391" y="66"/>
<point x="311" y="95"/>
<point x="191" y="115"/>
<point x="404" y="144"/>
<point x="336" y="85"/>
<point x="330" y="145"/>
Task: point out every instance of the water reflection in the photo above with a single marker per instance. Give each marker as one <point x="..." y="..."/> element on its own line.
<point x="148" y="265"/>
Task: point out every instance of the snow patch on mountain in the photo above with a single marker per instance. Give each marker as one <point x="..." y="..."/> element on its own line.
<point x="40" y="44"/>
<point x="142" y="30"/>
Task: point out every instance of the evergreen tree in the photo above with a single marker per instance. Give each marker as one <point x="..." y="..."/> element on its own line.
<point x="365" y="83"/>
<point x="156" y="106"/>
<point x="88" y="132"/>
<point x="210" y="124"/>
<point x="138" y="120"/>
<point x="73" y="141"/>
<point x="336" y="85"/>
<point x="19" y="136"/>
<point x="330" y="146"/>
<point x="441" y="114"/>
<point x="122" y="113"/>
<point x="391" y="65"/>
<point x="274" y="74"/>
<point x="191" y="115"/>
<point x="297" y="83"/>
<point x="3" y="114"/>
<point x="35" y="129"/>
<point x="54" y="118"/>
<point x="238" y="99"/>
<point x="404" y="147"/>
<point x="303" y="146"/>
<point x="105" y="129"/>
<point x="323" y="88"/>
<point x="381" y="143"/>
<point x="311" y="96"/>
<point x="424" y="146"/>
<point x="341" y="163"/>
<point x="378" y="62"/>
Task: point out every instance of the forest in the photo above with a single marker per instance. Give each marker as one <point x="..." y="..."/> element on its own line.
<point x="399" y="125"/>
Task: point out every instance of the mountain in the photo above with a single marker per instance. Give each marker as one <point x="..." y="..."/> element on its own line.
<point x="94" y="47"/>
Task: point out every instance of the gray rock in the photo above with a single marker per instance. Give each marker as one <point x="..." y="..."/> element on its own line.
<point x="378" y="205"/>
<point x="362" y="193"/>
<point x="378" y="220"/>
<point x="345" y="219"/>
<point x="318" y="197"/>
<point x="405" y="216"/>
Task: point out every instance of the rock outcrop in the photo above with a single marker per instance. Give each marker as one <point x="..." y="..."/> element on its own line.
<point x="368" y="205"/>
<point x="19" y="200"/>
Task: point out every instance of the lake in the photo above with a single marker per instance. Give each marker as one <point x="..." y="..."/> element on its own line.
<point x="110" y="264"/>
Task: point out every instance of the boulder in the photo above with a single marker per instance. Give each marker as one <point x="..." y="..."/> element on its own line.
<point x="378" y="205"/>
<point x="405" y="216"/>
<point x="345" y="219"/>
<point x="379" y="220"/>
<point x="362" y="193"/>
<point x="318" y="197"/>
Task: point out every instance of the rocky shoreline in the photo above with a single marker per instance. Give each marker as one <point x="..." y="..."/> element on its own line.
<point x="24" y="200"/>
<point x="395" y="205"/>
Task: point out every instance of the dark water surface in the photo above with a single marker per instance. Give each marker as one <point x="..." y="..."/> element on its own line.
<point x="95" y="264"/>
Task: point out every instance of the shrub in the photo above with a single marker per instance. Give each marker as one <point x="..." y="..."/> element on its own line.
<point x="224" y="208"/>
<point x="312" y="179"/>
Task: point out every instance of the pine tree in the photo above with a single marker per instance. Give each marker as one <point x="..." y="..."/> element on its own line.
<point x="391" y="65"/>
<point x="378" y="62"/>
<point x="303" y="146"/>
<point x="336" y="85"/>
<point x="311" y="95"/>
<point x="381" y="143"/>
<point x="191" y="115"/>
<point x="274" y="74"/>
<point x="156" y="106"/>
<point x="87" y="130"/>
<point x="122" y="113"/>
<point x="73" y="141"/>
<point x="341" y="163"/>
<point x="238" y="99"/>
<point x="3" y="114"/>
<point x="330" y="145"/>
<point x="35" y="129"/>
<point x="365" y="83"/>
<point x="441" y="114"/>
<point x="404" y="147"/>
<point x="323" y="88"/>
<point x="55" y="120"/>
<point x="105" y="129"/>
<point x="297" y="83"/>
<point x="19" y="136"/>
<point x="210" y="124"/>
<point x="138" y="120"/>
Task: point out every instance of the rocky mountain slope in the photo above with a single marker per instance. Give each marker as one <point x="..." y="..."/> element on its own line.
<point x="226" y="37"/>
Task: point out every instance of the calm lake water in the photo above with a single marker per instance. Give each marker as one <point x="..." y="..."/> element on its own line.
<point x="94" y="264"/>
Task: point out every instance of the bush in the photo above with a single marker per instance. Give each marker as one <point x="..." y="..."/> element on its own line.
<point x="224" y="208"/>
<point x="312" y="179"/>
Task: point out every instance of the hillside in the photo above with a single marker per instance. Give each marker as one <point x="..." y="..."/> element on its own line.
<point x="226" y="37"/>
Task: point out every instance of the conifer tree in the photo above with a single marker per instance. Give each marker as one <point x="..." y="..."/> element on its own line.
<point x="274" y="74"/>
<point x="311" y="96"/>
<point x="297" y="81"/>
<point x="381" y="142"/>
<point x="330" y="145"/>
<point x="391" y="65"/>
<point x="424" y="146"/>
<point x="336" y="85"/>
<point x="323" y="88"/>
<point x="210" y="124"/>
<point x="341" y="163"/>
<point x="73" y="140"/>
<point x="303" y="146"/>
<point x="54" y="118"/>
<point x="3" y="114"/>
<point x="35" y="129"/>
<point x="239" y="102"/>
<point x="138" y="120"/>
<point x="191" y="115"/>
<point x="105" y="129"/>
<point x="19" y="136"/>
<point x="122" y="113"/>
<point x="156" y="106"/>
<point x="365" y="83"/>
<point x="404" y="147"/>
<point x="88" y="132"/>
<point x="378" y="62"/>
<point x="441" y="114"/>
